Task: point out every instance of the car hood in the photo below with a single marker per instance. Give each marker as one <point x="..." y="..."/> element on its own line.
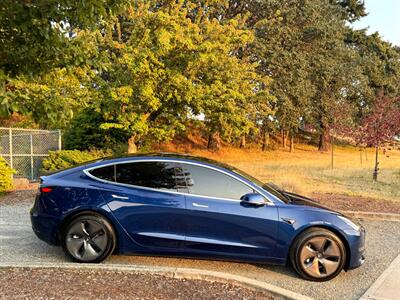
<point x="305" y="201"/>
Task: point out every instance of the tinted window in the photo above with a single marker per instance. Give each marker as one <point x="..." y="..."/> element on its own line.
<point x="208" y="182"/>
<point x="159" y="175"/>
<point x="106" y="173"/>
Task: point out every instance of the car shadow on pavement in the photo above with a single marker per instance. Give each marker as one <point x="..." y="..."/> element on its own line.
<point x="286" y="270"/>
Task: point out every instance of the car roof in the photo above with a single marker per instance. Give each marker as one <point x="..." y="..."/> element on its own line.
<point x="153" y="155"/>
<point x="166" y="155"/>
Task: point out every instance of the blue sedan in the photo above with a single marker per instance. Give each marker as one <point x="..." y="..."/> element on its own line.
<point x="171" y="204"/>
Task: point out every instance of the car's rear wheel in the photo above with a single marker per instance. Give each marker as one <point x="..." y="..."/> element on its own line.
<point x="88" y="238"/>
<point x="318" y="255"/>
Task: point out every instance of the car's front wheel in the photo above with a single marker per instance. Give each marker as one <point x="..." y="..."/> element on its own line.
<point x="318" y="255"/>
<point x="88" y="238"/>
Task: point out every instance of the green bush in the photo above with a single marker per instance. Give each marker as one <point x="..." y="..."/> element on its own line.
<point x="59" y="160"/>
<point x="84" y="133"/>
<point x="6" y="183"/>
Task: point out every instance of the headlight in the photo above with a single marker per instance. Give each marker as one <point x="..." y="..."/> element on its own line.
<point x="350" y="223"/>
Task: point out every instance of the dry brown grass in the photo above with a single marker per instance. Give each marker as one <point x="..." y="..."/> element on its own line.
<point x="308" y="170"/>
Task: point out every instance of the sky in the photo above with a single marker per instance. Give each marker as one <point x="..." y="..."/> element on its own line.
<point x="384" y="17"/>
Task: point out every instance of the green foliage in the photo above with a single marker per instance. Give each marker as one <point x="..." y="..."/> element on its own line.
<point x="84" y="133"/>
<point x="6" y="183"/>
<point x="59" y="160"/>
<point x="51" y="99"/>
<point x="135" y="72"/>
<point x="46" y="47"/>
<point x="38" y="35"/>
<point x="166" y="67"/>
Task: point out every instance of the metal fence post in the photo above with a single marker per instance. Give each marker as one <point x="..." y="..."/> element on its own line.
<point x="10" y="150"/>
<point x="31" y="140"/>
<point x="59" y="140"/>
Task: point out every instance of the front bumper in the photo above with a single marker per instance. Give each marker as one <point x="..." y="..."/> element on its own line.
<point x="357" y="248"/>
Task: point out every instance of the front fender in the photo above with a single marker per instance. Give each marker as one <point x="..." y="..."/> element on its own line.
<point x="305" y="219"/>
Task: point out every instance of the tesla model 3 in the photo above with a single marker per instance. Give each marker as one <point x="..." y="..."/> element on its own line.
<point x="171" y="204"/>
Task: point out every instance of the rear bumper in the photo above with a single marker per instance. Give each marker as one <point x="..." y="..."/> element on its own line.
<point x="44" y="227"/>
<point x="357" y="249"/>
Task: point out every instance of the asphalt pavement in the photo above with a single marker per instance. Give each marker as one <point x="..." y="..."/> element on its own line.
<point x="19" y="245"/>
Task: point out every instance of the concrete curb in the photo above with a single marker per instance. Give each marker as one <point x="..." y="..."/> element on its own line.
<point x="385" y="282"/>
<point x="373" y="215"/>
<point x="187" y="273"/>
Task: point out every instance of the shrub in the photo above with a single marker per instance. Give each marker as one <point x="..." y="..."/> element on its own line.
<point x="84" y="133"/>
<point x="6" y="183"/>
<point x="58" y="160"/>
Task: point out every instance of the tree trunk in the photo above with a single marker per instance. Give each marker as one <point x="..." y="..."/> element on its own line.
<point x="332" y="144"/>
<point x="214" y="142"/>
<point x="291" y="143"/>
<point x="376" y="169"/>
<point x="265" y="141"/>
<point x="283" y="139"/>
<point x="132" y="148"/>
<point x="323" y="140"/>
<point x="243" y="141"/>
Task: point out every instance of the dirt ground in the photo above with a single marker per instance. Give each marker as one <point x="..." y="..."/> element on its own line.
<point x="26" y="283"/>
<point x="355" y="203"/>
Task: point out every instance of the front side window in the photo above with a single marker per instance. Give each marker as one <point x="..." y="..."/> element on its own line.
<point x="208" y="182"/>
<point x="158" y="175"/>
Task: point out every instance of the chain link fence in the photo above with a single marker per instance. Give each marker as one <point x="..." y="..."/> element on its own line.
<point x="24" y="149"/>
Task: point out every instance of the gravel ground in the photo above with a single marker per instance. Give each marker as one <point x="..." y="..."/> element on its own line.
<point x="25" y="283"/>
<point x="19" y="245"/>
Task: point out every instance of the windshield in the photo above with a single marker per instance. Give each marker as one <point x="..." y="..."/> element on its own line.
<point x="265" y="186"/>
<point x="269" y="188"/>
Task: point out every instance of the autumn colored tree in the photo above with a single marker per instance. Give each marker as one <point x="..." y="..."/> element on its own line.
<point x="381" y="125"/>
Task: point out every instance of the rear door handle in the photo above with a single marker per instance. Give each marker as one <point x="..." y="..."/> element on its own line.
<point x="120" y="197"/>
<point x="199" y="205"/>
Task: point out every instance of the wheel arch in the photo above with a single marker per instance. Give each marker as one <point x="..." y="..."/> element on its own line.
<point x="87" y="211"/>
<point x="333" y="230"/>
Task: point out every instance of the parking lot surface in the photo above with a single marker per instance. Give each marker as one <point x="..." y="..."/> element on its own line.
<point x="19" y="245"/>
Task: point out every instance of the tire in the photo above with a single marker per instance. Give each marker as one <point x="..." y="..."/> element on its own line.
<point x="318" y="254"/>
<point x="88" y="238"/>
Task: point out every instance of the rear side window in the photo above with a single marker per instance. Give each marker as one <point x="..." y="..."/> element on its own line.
<point x="207" y="182"/>
<point x="158" y="175"/>
<point x="105" y="173"/>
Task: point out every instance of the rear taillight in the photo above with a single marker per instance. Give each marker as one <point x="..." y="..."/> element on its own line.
<point x="46" y="189"/>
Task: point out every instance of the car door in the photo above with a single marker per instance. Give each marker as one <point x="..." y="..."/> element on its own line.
<point x="219" y="223"/>
<point x="143" y="199"/>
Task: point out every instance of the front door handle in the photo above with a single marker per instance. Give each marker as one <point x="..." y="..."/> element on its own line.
<point x="199" y="205"/>
<point x="120" y="197"/>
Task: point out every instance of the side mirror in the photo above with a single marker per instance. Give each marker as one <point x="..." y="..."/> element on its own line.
<point x="252" y="199"/>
